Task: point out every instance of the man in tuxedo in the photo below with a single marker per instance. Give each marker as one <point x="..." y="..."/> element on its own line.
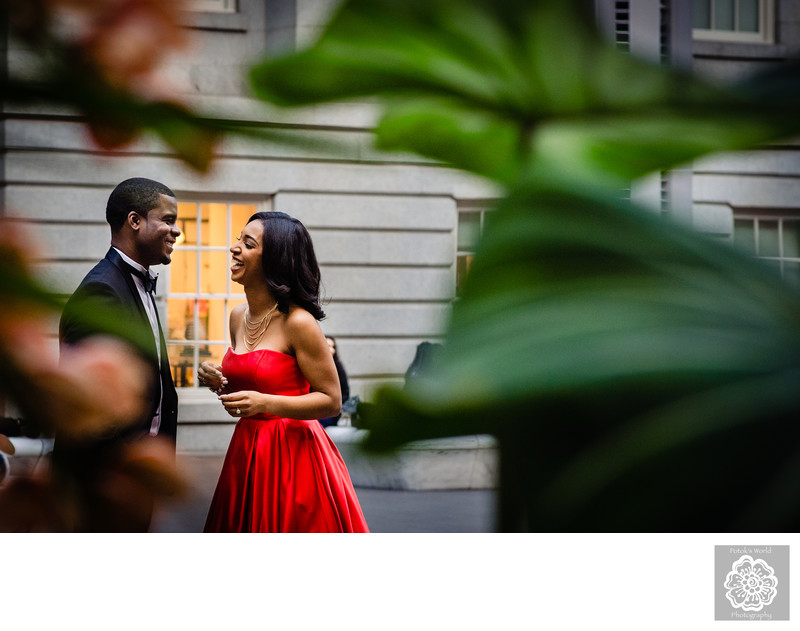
<point x="143" y="216"/>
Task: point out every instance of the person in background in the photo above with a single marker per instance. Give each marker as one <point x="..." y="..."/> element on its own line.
<point x="345" y="387"/>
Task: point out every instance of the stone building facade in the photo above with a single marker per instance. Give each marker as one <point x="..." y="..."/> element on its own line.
<point x="391" y="231"/>
<point x="752" y="197"/>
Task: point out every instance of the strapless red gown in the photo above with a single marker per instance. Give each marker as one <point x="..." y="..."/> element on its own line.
<point x="280" y="474"/>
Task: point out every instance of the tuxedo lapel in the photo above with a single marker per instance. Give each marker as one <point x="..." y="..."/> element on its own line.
<point x="164" y="368"/>
<point x="169" y="396"/>
<point x="166" y="372"/>
<point x="114" y="257"/>
<point x="116" y="260"/>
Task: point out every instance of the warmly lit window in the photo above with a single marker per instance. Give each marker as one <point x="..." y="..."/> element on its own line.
<point x="470" y="226"/>
<point x="774" y="238"/>
<point x="212" y="6"/>
<point x="201" y="293"/>
<point x="734" y="20"/>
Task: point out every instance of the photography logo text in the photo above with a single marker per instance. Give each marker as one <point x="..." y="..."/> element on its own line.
<point x="752" y="582"/>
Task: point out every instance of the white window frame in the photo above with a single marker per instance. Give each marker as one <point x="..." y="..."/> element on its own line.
<point x="231" y="293"/>
<point x="479" y="207"/>
<point x="756" y="218"/>
<point x="211" y="6"/>
<point x="766" y="34"/>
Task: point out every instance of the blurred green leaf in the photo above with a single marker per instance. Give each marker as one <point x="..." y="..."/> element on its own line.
<point x="636" y="373"/>
<point x="610" y="345"/>
<point x="495" y="88"/>
<point x="440" y="127"/>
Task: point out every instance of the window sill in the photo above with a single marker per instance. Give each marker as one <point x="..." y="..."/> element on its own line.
<point x="739" y="50"/>
<point x="230" y="22"/>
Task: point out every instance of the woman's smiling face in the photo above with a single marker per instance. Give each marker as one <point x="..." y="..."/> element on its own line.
<point x="246" y="254"/>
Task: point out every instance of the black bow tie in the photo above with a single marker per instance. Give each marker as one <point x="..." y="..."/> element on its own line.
<point x="148" y="281"/>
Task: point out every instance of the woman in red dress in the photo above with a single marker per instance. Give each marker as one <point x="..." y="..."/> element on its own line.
<point x="282" y="472"/>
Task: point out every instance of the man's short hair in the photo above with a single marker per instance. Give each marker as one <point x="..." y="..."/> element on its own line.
<point x="137" y="194"/>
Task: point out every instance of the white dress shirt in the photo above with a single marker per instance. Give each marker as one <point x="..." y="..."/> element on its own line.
<point x="150" y="308"/>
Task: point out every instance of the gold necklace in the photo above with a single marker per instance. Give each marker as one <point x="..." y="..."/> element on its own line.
<point x="254" y="331"/>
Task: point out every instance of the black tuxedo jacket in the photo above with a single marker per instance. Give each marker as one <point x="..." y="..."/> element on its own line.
<point x="109" y="292"/>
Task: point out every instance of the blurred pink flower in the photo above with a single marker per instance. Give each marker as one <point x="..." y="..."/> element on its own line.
<point x="85" y="391"/>
<point x="6" y="446"/>
<point x="118" y="49"/>
<point x="150" y="462"/>
<point x="127" y="39"/>
<point x="37" y="504"/>
<point x="99" y="385"/>
<point x="130" y="486"/>
<point x="21" y="314"/>
<point x="16" y="246"/>
<point x="96" y="386"/>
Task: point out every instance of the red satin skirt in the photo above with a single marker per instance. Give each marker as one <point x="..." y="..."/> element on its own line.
<point x="284" y="475"/>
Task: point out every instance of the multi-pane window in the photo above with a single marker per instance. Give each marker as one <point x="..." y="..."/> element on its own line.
<point x="470" y="226"/>
<point x="734" y="20"/>
<point x="212" y="6"/>
<point x="774" y="238"/>
<point x="201" y="293"/>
